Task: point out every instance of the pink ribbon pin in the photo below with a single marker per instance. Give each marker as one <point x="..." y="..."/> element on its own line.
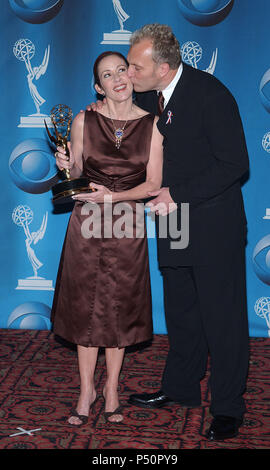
<point x="169" y="120"/>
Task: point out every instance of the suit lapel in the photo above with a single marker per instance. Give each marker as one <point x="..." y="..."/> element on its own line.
<point x="173" y="108"/>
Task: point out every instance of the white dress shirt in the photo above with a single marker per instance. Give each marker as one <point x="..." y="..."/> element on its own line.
<point x="168" y="91"/>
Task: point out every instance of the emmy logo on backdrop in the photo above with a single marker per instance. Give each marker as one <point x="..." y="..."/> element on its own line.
<point x="191" y="53"/>
<point x="267" y="214"/>
<point x="120" y="36"/>
<point x="262" y="309"/>
<point x="24" y="50"/>
<point x="23" y="217"/>
<point x="266" y="142"/>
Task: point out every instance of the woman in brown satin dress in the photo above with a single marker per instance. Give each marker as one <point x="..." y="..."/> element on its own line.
<point x="103" y="295"/>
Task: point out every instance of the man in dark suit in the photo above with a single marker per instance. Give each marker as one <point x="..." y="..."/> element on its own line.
<point x="205" y="158"/>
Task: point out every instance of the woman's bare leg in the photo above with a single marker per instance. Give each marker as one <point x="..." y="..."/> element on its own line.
<point x="114" y="361"/>
<point x="87" y="358"/>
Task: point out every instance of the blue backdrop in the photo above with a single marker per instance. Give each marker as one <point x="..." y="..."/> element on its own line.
<point x="49" y="47"/>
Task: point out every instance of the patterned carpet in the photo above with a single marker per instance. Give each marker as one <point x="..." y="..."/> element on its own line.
<point x="40" y="383"/>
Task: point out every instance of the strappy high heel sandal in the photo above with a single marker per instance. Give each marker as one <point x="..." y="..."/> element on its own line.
<point x="109" y="414"/>
<point x="82" y="418"/>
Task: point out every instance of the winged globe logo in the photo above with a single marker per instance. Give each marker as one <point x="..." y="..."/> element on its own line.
<point x="266" y="142"/>
<point x="262" y="309"/>
<point x="192" y="52"/>
<point x="23" y="216"/>
<point x="24" y="50"/>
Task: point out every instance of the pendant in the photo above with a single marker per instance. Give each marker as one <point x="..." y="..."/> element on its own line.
<point x="118" y="137"/>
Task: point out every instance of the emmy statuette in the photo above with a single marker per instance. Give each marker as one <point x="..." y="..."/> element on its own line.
<point x="61" y="117"/>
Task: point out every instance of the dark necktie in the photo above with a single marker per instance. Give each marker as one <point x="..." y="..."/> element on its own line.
<point x="160" y="103"/>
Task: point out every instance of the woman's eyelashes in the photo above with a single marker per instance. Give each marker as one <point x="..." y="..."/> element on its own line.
<point x="109" y="74"/>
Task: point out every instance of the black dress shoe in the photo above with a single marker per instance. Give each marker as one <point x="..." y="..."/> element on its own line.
<point x="223" y="427"/>
<point x="150" y="400"/>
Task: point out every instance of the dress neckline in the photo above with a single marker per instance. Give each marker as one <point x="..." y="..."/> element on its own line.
<point x="123" y="120"/>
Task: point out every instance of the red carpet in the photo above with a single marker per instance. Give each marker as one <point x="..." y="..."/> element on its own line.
<point x="40" y="383"/>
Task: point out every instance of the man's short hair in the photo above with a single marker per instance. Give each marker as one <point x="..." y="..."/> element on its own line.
<point x="166" y="47"/>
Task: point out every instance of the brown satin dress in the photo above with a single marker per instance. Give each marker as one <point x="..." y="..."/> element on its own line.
<point x="103" y="294"/>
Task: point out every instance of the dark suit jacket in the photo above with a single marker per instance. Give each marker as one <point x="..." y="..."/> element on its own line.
<point x="205" y="157"/>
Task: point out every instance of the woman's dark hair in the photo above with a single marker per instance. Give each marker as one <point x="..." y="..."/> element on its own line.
<point x="99" y="59"/>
